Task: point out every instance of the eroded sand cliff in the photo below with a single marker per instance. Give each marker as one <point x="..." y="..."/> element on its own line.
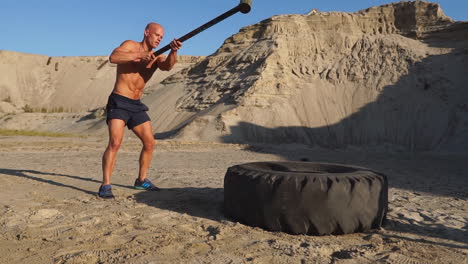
<point x="389" y="75"/>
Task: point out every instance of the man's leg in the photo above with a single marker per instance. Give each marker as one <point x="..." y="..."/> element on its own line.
<point x="116" y="132"/>
<point x="145" y="133"/>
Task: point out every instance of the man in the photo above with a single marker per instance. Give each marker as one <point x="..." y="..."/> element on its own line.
<point x="135" y="65"/>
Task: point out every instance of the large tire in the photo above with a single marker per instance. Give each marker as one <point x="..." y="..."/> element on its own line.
<point x="306" y="197"/>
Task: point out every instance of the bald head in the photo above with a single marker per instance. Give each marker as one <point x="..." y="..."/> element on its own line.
<point x="152" y="26"/>
<point x="154" y="32"/>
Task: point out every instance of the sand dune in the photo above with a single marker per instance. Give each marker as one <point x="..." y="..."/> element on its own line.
<point x="387" y="75"/>
<point x="61" y="84"/>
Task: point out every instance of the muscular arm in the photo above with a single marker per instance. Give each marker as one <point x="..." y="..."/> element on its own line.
<point x="167" y="63"/>
<point x="128" y="52"/>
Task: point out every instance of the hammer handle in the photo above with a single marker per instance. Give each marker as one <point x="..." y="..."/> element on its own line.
<point x="200" y="29"/>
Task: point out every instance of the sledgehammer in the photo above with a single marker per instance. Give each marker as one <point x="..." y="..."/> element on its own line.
<point x="243" y="7"/>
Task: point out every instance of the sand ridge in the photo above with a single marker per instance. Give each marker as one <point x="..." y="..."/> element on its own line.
<point x="391" y="74"/>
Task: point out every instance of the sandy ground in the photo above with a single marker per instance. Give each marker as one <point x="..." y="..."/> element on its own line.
<point x="49" y="212"/>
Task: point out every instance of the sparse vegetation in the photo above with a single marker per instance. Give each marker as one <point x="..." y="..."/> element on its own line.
<point x="60" y="109"/>
<point x="32" y="133"/>
<point x="28" y="109"/>
<point x="8" y="99"/>
<point x="102" y="64"/>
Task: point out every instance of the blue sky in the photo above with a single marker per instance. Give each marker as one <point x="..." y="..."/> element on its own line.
<point x="96" y="27"/>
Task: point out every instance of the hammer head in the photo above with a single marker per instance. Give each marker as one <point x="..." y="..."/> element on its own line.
<point x="245" y="5"/>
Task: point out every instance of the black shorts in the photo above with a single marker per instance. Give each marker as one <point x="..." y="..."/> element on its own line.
<point x="132" y="112"/>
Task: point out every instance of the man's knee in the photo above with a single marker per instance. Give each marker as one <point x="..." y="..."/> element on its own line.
<point x="149" y="144"/>
<point x="114" y="145"/>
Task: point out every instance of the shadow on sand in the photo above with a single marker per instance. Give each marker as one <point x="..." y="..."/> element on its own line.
<point x="207" y="203"/>
<point x="39" y="177"/>
<point x="199" y="202"/>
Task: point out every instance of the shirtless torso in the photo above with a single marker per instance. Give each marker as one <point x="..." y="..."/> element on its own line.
<point x="133" y="76"/>
<point x="133" y="57"/>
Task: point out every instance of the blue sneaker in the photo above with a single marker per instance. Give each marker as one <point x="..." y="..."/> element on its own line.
<point x="146" y="184"/>
<point x="105" y="191"/>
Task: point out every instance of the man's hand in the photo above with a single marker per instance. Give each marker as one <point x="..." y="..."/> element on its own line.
<point x="175" y="45"/>
<point x="145" y="57"/>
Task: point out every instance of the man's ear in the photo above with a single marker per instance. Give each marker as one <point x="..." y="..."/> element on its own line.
<point x="146" y="32"/>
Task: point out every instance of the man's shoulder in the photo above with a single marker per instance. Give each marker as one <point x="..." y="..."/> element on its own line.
<point x="129" y="44"/>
